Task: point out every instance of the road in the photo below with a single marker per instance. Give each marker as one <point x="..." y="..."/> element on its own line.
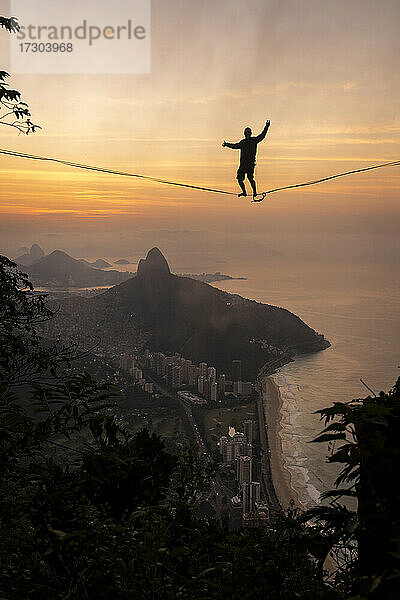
<point x="188" y="411"/>
<point x="219" y="490"/>
<point x="266" y="472"/>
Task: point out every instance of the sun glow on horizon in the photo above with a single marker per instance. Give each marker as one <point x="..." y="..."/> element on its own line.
<point x="329" y="114"/>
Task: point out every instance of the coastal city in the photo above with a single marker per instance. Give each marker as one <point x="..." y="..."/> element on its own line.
<point x="242" y="488"/>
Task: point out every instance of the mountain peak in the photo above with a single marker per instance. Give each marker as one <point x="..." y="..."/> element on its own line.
<point x="154" y="263"/>
<point x="36" y="252"/>
<point x="28" y="257"/>
<point x="60" y="255"/>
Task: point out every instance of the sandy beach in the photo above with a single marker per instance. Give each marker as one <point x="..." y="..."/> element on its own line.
<point x="281" y="476"/>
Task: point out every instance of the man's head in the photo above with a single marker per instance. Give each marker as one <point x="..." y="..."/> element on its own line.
<point x="247" y="132"/>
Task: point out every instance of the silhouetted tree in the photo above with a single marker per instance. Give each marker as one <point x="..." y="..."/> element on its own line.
<point x="25" y="356"/>
<point x="368" y="433"/>
<point x="13" y="112"/>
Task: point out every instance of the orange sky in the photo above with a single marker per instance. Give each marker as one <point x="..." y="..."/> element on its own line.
<point x="325" y="73"/>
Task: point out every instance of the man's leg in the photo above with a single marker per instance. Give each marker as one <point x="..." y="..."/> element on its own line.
<point x="250" y="177"/>
<point x="240" y="177"/>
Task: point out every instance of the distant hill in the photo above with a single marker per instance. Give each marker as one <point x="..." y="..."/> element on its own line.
<point x="58" y="269"/>
<point x="122" y="261"/>
<point x="211" y="277"/>
<point x="85" y="262"/>
<point x="22" y="250"/>
<point x="98" y="264"/>
<point x="30" y="256"/>
<point x="177" y="314"/>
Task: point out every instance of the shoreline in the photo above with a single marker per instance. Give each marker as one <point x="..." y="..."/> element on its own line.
<point x="281" y="476"/>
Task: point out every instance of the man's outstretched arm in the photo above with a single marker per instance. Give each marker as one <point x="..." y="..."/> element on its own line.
<point x="261" y="136"/>
<point x="231" y="145"/>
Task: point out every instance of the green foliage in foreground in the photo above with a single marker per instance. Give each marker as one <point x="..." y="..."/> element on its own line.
<point x="365" y="440"/>
<point x="13" y="112"/>
<point x="91" y="511"/>
<point x="118" y="520"/>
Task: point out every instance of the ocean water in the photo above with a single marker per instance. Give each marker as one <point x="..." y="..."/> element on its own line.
<point x="357" y="308"/>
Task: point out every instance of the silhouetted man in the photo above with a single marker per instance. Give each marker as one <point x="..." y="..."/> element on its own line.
<point x="248" y="152"/>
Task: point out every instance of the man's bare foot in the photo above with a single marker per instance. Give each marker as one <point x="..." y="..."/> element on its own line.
<point x="242" y="194"/>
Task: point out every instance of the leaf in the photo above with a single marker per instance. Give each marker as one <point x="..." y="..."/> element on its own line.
<point x="327" y="437"/>
<point x="335" y="427"/>
<point x="57" y="532"/>
<point x="342" y="455"/>
<point x="349" y="493"/>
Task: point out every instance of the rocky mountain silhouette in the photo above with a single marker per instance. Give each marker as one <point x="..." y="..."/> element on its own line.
<point x="58" y="269"/>
<point x="100" y="263"/>
<point x="30" y="256"/>
<point x="169" y="313"/>
<point x="21" y="251"/>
